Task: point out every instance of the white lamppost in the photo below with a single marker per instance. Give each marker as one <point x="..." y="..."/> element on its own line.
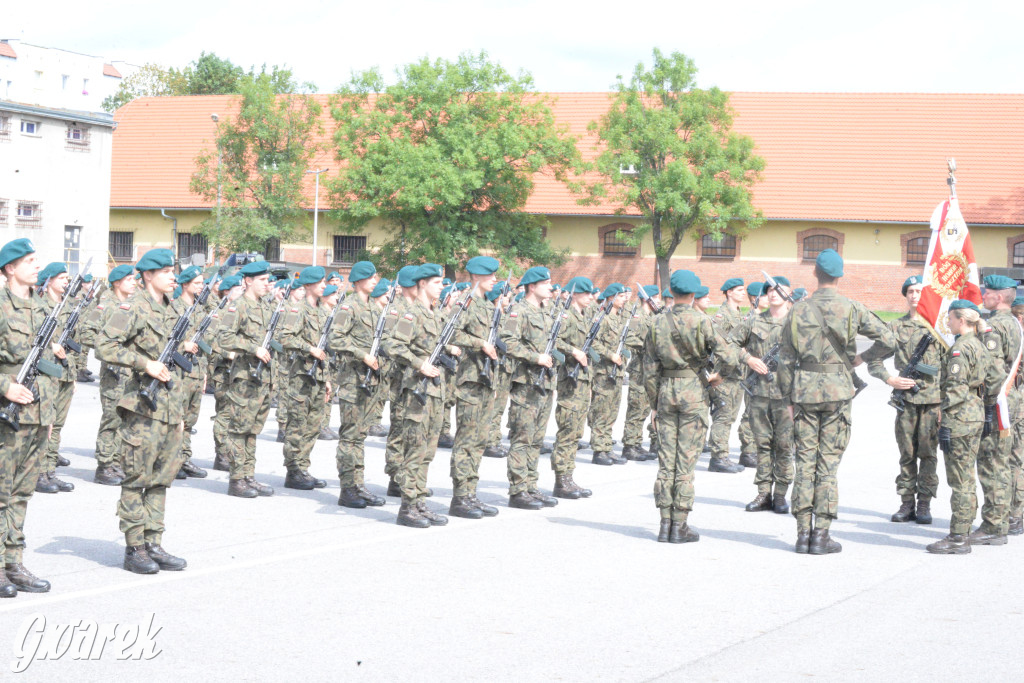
<point x="316" y="207"/>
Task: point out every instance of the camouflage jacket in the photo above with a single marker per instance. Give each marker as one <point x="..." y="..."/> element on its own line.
<point x="133" y="333"/>
<point x="242" y="326"/>
<point x="179" y="306"/>
<point x="907" y="332"/>
<point x="725" y="320"/>
<point x="572" y="335"/>
<point x="350" y="339"/>
<point x="473" y="329"/>
<point x="970" y="380"/>
<point x="810" y="370"/>
<point x="1003" y="341"/>
<point x="89" y="325"/>
<point x="606" y="343"/>
<point x="19" y="321"/>
<point x="755" y="337"/>
<point x="525" y="331"/>
<point x="299" y="330"/>
<point x="410" y="345"/>
<point x="72" y="360"/>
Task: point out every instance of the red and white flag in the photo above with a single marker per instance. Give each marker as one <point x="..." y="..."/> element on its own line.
<point x="950" y="272"/>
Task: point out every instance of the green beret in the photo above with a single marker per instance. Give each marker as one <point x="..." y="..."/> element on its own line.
<point x="383" y="285"/>
<point x="997" y="282"/>
<point x="732" y="282"/>
<point x="830" y="262"/>
<point x="482" y="265"/>
<point x="535" y="274"/>
<point x="176" y="293"/>
<point x="407" y="276"/>
<point x="579" y="285"/>
<point x="910" y="282"/>
<point x="684" y="282"/>
<point x="281" y="284"/>
<point x="229" y="282"/>
<point x="519" y="296"/>
<point x="556" y="287"/>
<point x="361" y="271"/>
<point x="667" y="293"/>
<point x="447" y="281"/>
<point x="781" y="279"/>
<point x="15" y="249"/>
<point x="798" y="294"/>
<point x="87" y="278"/>
<point x="595" y="291"/>
<point x="461" y="286"/>
<point x="651" y="290"/>
<point x="188" y="275"/>
<point x="1019" y="301"/>
<point x="254" y="269"/>
<point x="335" y="274"/>
<point x="428" y="270"/>
<point x="311" y="275"/>
<point x="119" y="273"/>
<point x="611" y="290"/>
<point x="155" y="259"/>
<point x="702" y="292"/>
<point x="754" y="288"/>
<point x="330" y="289"/>
<point x="51" y="270"/>
<point x="964" y="303"/>
<point x="444" y="291"/>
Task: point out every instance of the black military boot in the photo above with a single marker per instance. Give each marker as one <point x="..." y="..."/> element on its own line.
<point x="107" y="476"/>
<point x="193" y="470"/>
<point x="762" y="502"/>
<point x="779" y="504"/>
<point x="979" y="537"/>
<point x="494" y="452"/>
<point x="317" y="483"/>
<point x="664" y="529"/>
<point x="748" y="460"/>
<point x="924" y="511"/>
<point x="297" y="479"/>
<point x="616" y="459"/>
<point x="582" y="444"/>
<point x="681" y="532"/>
<point x="1016" y="526"/>
<point x="350" y="498"/>
<point x="803" y="541"/>
<point x="545" y="500"/>
<point x="488" y="510"/>
<point x="724" y="465"/>
<point x="462" y="506"/>
<point x="524" y="501"/>
<point x="602" y="459"/>
<point x="377" y="430"/>
<point x="44" y="485"/>
<point x="434" y="518"/>
<point x="633" y="453"/>
<point x="409" y="515"/>
<point x="393" y="490"/>
<point x="371" y="499"/>
<point x="564" y="489"/>
<point x="325" y="434"/>
<point x="821" y="544"/>
<point x="905" y="513"/>
<point x="260" y="489"/>
<point x="221" y="463"/>
<point x="62" y="486"/>
<point x="180" y="474"/>
<point x="7" y="589"/>
<point x="62" y="461"/>
<point x="546" y="449"/>
<point x="164" y="559"/>
<point x="953" y="544"/>
<point x="239" y="488"/>
<point x="138" y="561"/>
<point x="26" y="581"/>
<point x="279" y="438"/>
<point x="445" y="441"/>
<point x="584" y="493"/>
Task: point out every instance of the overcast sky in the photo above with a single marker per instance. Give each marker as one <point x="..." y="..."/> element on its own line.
<point x="770" y="45"/>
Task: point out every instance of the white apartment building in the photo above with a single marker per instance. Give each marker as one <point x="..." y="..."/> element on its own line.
<point x="55" y="151"/>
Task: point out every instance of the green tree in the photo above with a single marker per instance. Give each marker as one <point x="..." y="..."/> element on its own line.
<point x="211" y="75"/>
<point x="152" y="80"/>
<point x="257" y="168"/>
<point x="667" y="150"/>
<point x="445" y="158"/>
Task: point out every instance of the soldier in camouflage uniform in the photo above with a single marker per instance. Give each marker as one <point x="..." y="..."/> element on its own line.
<point x="132" y="336"/>
<point x="502" y="386"/>
<point x="22" y="450"/>
<point x="55" y="277"/>
<point x="637" y="406"/>
<point x="816" y="377"/>
<point x="375" y="414"/>
<point x="727" y="394"/>
<point x="191" y="282"/>
<point x="394" y="449"/>
<point x="295" y="297"/>
<point x="445" y="438"/>
<point x="299" y="334"/>
<point x="917" y="425"/>
<point x="1016" y="517"/>
<point x="607" y="391"/>
<point x="525" y="332"/>
<point x="351" y="338"/>
<point x="230" y="288"/>
<point x="748" y="447"/>
<point x="679" y="345"/>
<point x="971" y="379"/>
<point x="769" y="411"/>
<point x="415" y="336"/>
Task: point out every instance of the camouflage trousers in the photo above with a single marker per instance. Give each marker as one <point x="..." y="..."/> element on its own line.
<point x="502" y="387"/>
<point x="725" y="401"/>
<point x="821" y="432"/>
<point x="773" y="435"/>
<point x="21" y="461"/>
<point x="375" y="414"/>
<point x="604" y="410"/>
<point x="350" y="455"/>
<point x="473" y="408"/>
<point x="306" y="397"/>
<point x="960" y="463"/>
<point x="681" y="430"/>
<point x="151" y="458"/>
<point x="917" y="435"/>
<point x="449" y="403"/>
<point x="570" y="414"/>
<point x="528" y="417"/>
<point x="394" y="449"/>
<point x="746" y="431"/>
<point x="994" y="477"/>
<point x="193" y="401"/>
<point x="220" y="407"/>
<point x="638" y="409"/>
<point x="108" y="448"/>
<point x="65" y="391"/>
<point x="420" y="426"/>
<point x="246" y="405"/>
<point x="1017" y="471"/>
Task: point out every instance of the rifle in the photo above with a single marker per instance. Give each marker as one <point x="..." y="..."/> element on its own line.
<point x="378" y="332"/>
<point x="622" y="339"/>
<point x="204" y="325"/>
<point x="487" y="374"/>
<point x="448" y="296"/>
<point x="269" y="342"/>
<point x="35" y="363"/>
<point x="324" y="334"/>
<point x="595" y="327"/>
<point x="772" y="284"/>
<point x="913" y="370"/>
<point x="771" y="359"/>
<point x="438" y="356"/>
<point x="647" y="299"/>
<point x="545" y="373"/>
<point x="65" y="339"/>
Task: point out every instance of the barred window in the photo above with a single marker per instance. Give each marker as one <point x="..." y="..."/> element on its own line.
<point x="724" y="247"/>
<point x="1018" y="254"/>
<point x="917" y="251"/>
<point x="3" y="211"/>
<point x="613" y="246"/>
<point x="272" y="249"/>
<point x="189" y="244"/>
<point x="347" y="249"/>
<point x="29" y="214"/>
<point x="121" y="245"/>
<point x="5" y="128"/>
<point x="77" y="137"/>
<point x="815" y="244"/>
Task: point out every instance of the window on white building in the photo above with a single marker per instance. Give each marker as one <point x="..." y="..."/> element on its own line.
<point x="77" y="137"/>
<point x="29" y="214"/>
<point x="30" y="127"/>
<point x="64" y="81"/>
<point x="85" y="86"/>
<point x="5" y="128"/>
<point x="3" y="212"/>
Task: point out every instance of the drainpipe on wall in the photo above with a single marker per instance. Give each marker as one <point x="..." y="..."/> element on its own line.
<point x="174" y="234"/>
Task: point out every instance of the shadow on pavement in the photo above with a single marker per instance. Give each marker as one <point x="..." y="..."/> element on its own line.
<point x="634" y="531"/>
<point x="104" y="553"/>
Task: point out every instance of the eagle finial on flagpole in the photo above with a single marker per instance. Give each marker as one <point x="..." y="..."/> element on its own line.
<point x="951" y="180"/>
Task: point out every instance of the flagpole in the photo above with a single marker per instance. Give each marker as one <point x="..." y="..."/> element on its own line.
<point x="951" y="180"/>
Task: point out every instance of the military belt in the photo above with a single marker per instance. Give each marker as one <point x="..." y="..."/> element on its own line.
<point x="830" y="368"/>
<point x="679" y="372"/>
